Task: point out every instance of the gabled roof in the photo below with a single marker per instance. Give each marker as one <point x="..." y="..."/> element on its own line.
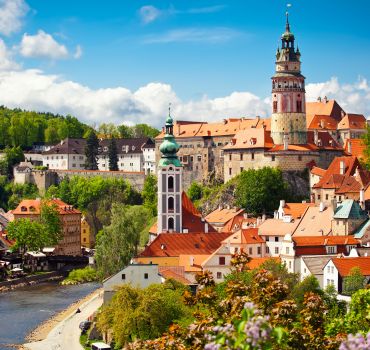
<point x="349" y="184"/>
<point x="33" y="207"/>
<point x="170" y="273"/>
<point x="326" y="141"/>
<point x="296" y="210"/>
<point x="352" y="121"/>
<point x="68" y="146"/>
<point x="238" y="222"/>
<point x="315" y="222"/>
<point x="297" y="148"/>
<point x="223" y="215"/>
<point x="5" y="242"/>
<point x="250" y="139"/>
<point x="255" y="263"/>
<point x="244" y="236"/>
<point x="345" y="265"/>
<point x="311" y="241"/>
<point x="322" y="122"/>
<point x="316" y="263"/>
<point x="130" y="146"/>
<point x="276" y="227"/>
<point x="318" y="171"/>
<point x="324" y="107"/>
<point x="363" y="230"/>
<point x="176" y="244"/>
<point x="355" y="147"/>
<point x="332" y="177"/>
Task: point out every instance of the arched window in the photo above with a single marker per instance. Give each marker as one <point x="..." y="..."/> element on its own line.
<point x="170" y="183"/>
<point x="171" y="224"/>
<point x="171" y="204"/>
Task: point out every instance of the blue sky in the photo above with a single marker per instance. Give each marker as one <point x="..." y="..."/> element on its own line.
<point x="210" y="59"/>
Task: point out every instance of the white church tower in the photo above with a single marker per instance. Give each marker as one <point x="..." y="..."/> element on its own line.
<point x="169" y="183"/>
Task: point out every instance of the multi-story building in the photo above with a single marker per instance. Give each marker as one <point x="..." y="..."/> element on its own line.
<point x="70" y="218"/>
<point x="68" y="154"/>
<point x="87" y="237"/>
<point x="130" y="154"/>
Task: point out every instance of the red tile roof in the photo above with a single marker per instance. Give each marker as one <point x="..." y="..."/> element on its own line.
<point x="169" y="273"/>
<point x="223" y="215"/>
<point x="355" y="147"/>
<point x="345" y="265"/>
<point x="318" y="171"/>
<point x="33" y="206"/>
<point x="176" y="244"/>
<point x="296" y="210"/>
<point x="326" y="141"/>
<point x="310" y="241"/>
<point x="250" y="139"/>
<point x="330" y="108"/>
<point x="250" y="236"/>
<point x="352" y="121"/>
<point x="254" y="263"/>
<point x="238" y="222"/>
<point x="332" y="177"/>
<point x="320" y="122"/>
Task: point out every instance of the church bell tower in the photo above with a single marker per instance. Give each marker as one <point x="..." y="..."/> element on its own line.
<point x="288" y="119"/>
<point x="169" y="183"/>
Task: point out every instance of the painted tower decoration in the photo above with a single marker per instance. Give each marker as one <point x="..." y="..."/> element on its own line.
<point x="169" y="183"/>
<point x="288" y="120"/>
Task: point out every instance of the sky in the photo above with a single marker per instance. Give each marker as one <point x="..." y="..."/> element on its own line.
<point x="124" y="61"/>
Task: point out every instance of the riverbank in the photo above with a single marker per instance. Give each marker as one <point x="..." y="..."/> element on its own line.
<point x="42" y="331"/>
<point x="6" y="286"/>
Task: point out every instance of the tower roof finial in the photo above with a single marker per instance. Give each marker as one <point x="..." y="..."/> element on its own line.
<point x="287" y="26"/>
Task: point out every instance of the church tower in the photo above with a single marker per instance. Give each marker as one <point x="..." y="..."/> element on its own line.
<point x="288" y="120"/>
<point x="169" y="183"/>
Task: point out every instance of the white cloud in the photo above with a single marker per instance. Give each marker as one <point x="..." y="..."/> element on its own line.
<point x="354" y="98"/>
<point x="42" y="45"/>
<point x="11" y="14"/>
<point x="149" y="13"/>
<point x="6" y="62"/>
<point x="78" y="52"/>
<point x="195" y="35"/>
<point x="35" y="90"/>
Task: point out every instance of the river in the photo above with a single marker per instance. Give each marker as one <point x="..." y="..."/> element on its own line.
<point x="24" y="309"/>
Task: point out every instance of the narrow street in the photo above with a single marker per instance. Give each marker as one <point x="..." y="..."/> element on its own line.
<point x="66" y="335"/>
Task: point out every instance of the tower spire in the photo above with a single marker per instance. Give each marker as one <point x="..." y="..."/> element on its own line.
<point x="287" y="26"/>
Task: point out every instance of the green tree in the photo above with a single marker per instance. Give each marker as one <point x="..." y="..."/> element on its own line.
<point x="149" y="194"/>
<point x="195" y="191"/>
<point x="113" y="156"/>
<point x="366" y="141"/>
<point x="354" y="281"/>
<point x="125" y="131"/>
<point x="4" y="131"/>
<point x="108" y="130"/>
<point x="309" y="285"/>
<point x="118" y="243"/>
<point x="13" y="156"/>
<point x="91" y="151"/>
<point x="144" y="130"/>
<point x="260" y="190"/>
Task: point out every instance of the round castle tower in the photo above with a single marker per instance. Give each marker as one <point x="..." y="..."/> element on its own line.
<point x="288" y="119"/>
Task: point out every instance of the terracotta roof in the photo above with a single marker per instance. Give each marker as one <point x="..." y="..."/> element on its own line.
<point x="349" y="184"/>
<point x="315" y="222"/>
<point x="176" y="244"/>
<point x="68" y="146"/>
<point x="5" y="241"/>
<point x="132" y="145"/>
<point x="330" y="108"/>
<point x="245" y="236"/>
<point x="355" y="147"/>
<point x="193" y="262"/>
<point x="319" y="122"/>
<point x="345" y="265"/>
<point x="254" y="263"/>
<point x="318" y="171"/>
<point x="239" y="222"/>
<point x="276" y="227"/>
<point x="222" y="216"/>
<point x="296" y="210"/>
<point x="168" y="273"/>
<point x="191" y="217"/>
<point x="310" y="241"/>
<point x="332" y="177"/>
<point x="33" y="206"/>
<point x="326" y="141"/>
<point x="298" y="148"/>
<point x="250" y="139"/>
<point x="352" y="121"/>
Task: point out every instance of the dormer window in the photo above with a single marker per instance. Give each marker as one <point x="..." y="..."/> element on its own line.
<point x="32" y="208"/>
<point x="105" y="149"/>
<point x="331" y="249"/>
<point x="23" y="208"/>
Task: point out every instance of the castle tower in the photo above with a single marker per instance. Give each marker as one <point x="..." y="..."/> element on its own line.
<point x="169" y="183"/>
<point x="288" y="93"/>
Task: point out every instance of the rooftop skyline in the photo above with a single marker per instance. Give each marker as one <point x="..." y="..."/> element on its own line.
<point x="123" y="61"/>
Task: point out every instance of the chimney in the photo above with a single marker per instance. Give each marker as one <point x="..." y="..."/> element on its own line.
<point x="282" y="203"/>
<point x="334" y="204"/>
<point x="206" y="227"/>
<point x="322" y="207"/>
<point x="342" y="167"/>
<point x="362" y="198"/>
<point x="245" y="215"/>
<point x="316" y="137"/>
<point x="319" y="99"/>
<point x="178" y="128"/>
<point x="343" y="113"/>
<point x="191" y="261"/>
<point x="322" y="123"/>
<point x="263" y="218"/>
<point x="258" y="221"/>
<point x="349" y="147"/>
<point x="286" y="142"/>
<point x="325" y="99"/>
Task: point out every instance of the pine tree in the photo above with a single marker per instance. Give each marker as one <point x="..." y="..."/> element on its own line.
<point x="91" y="151"/>
<point x="112" y="154"/>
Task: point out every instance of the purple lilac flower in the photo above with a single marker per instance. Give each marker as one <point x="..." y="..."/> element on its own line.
<point x="356" y="342"/>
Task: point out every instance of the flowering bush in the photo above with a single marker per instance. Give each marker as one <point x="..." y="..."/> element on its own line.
<point x="356" y="342"/>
